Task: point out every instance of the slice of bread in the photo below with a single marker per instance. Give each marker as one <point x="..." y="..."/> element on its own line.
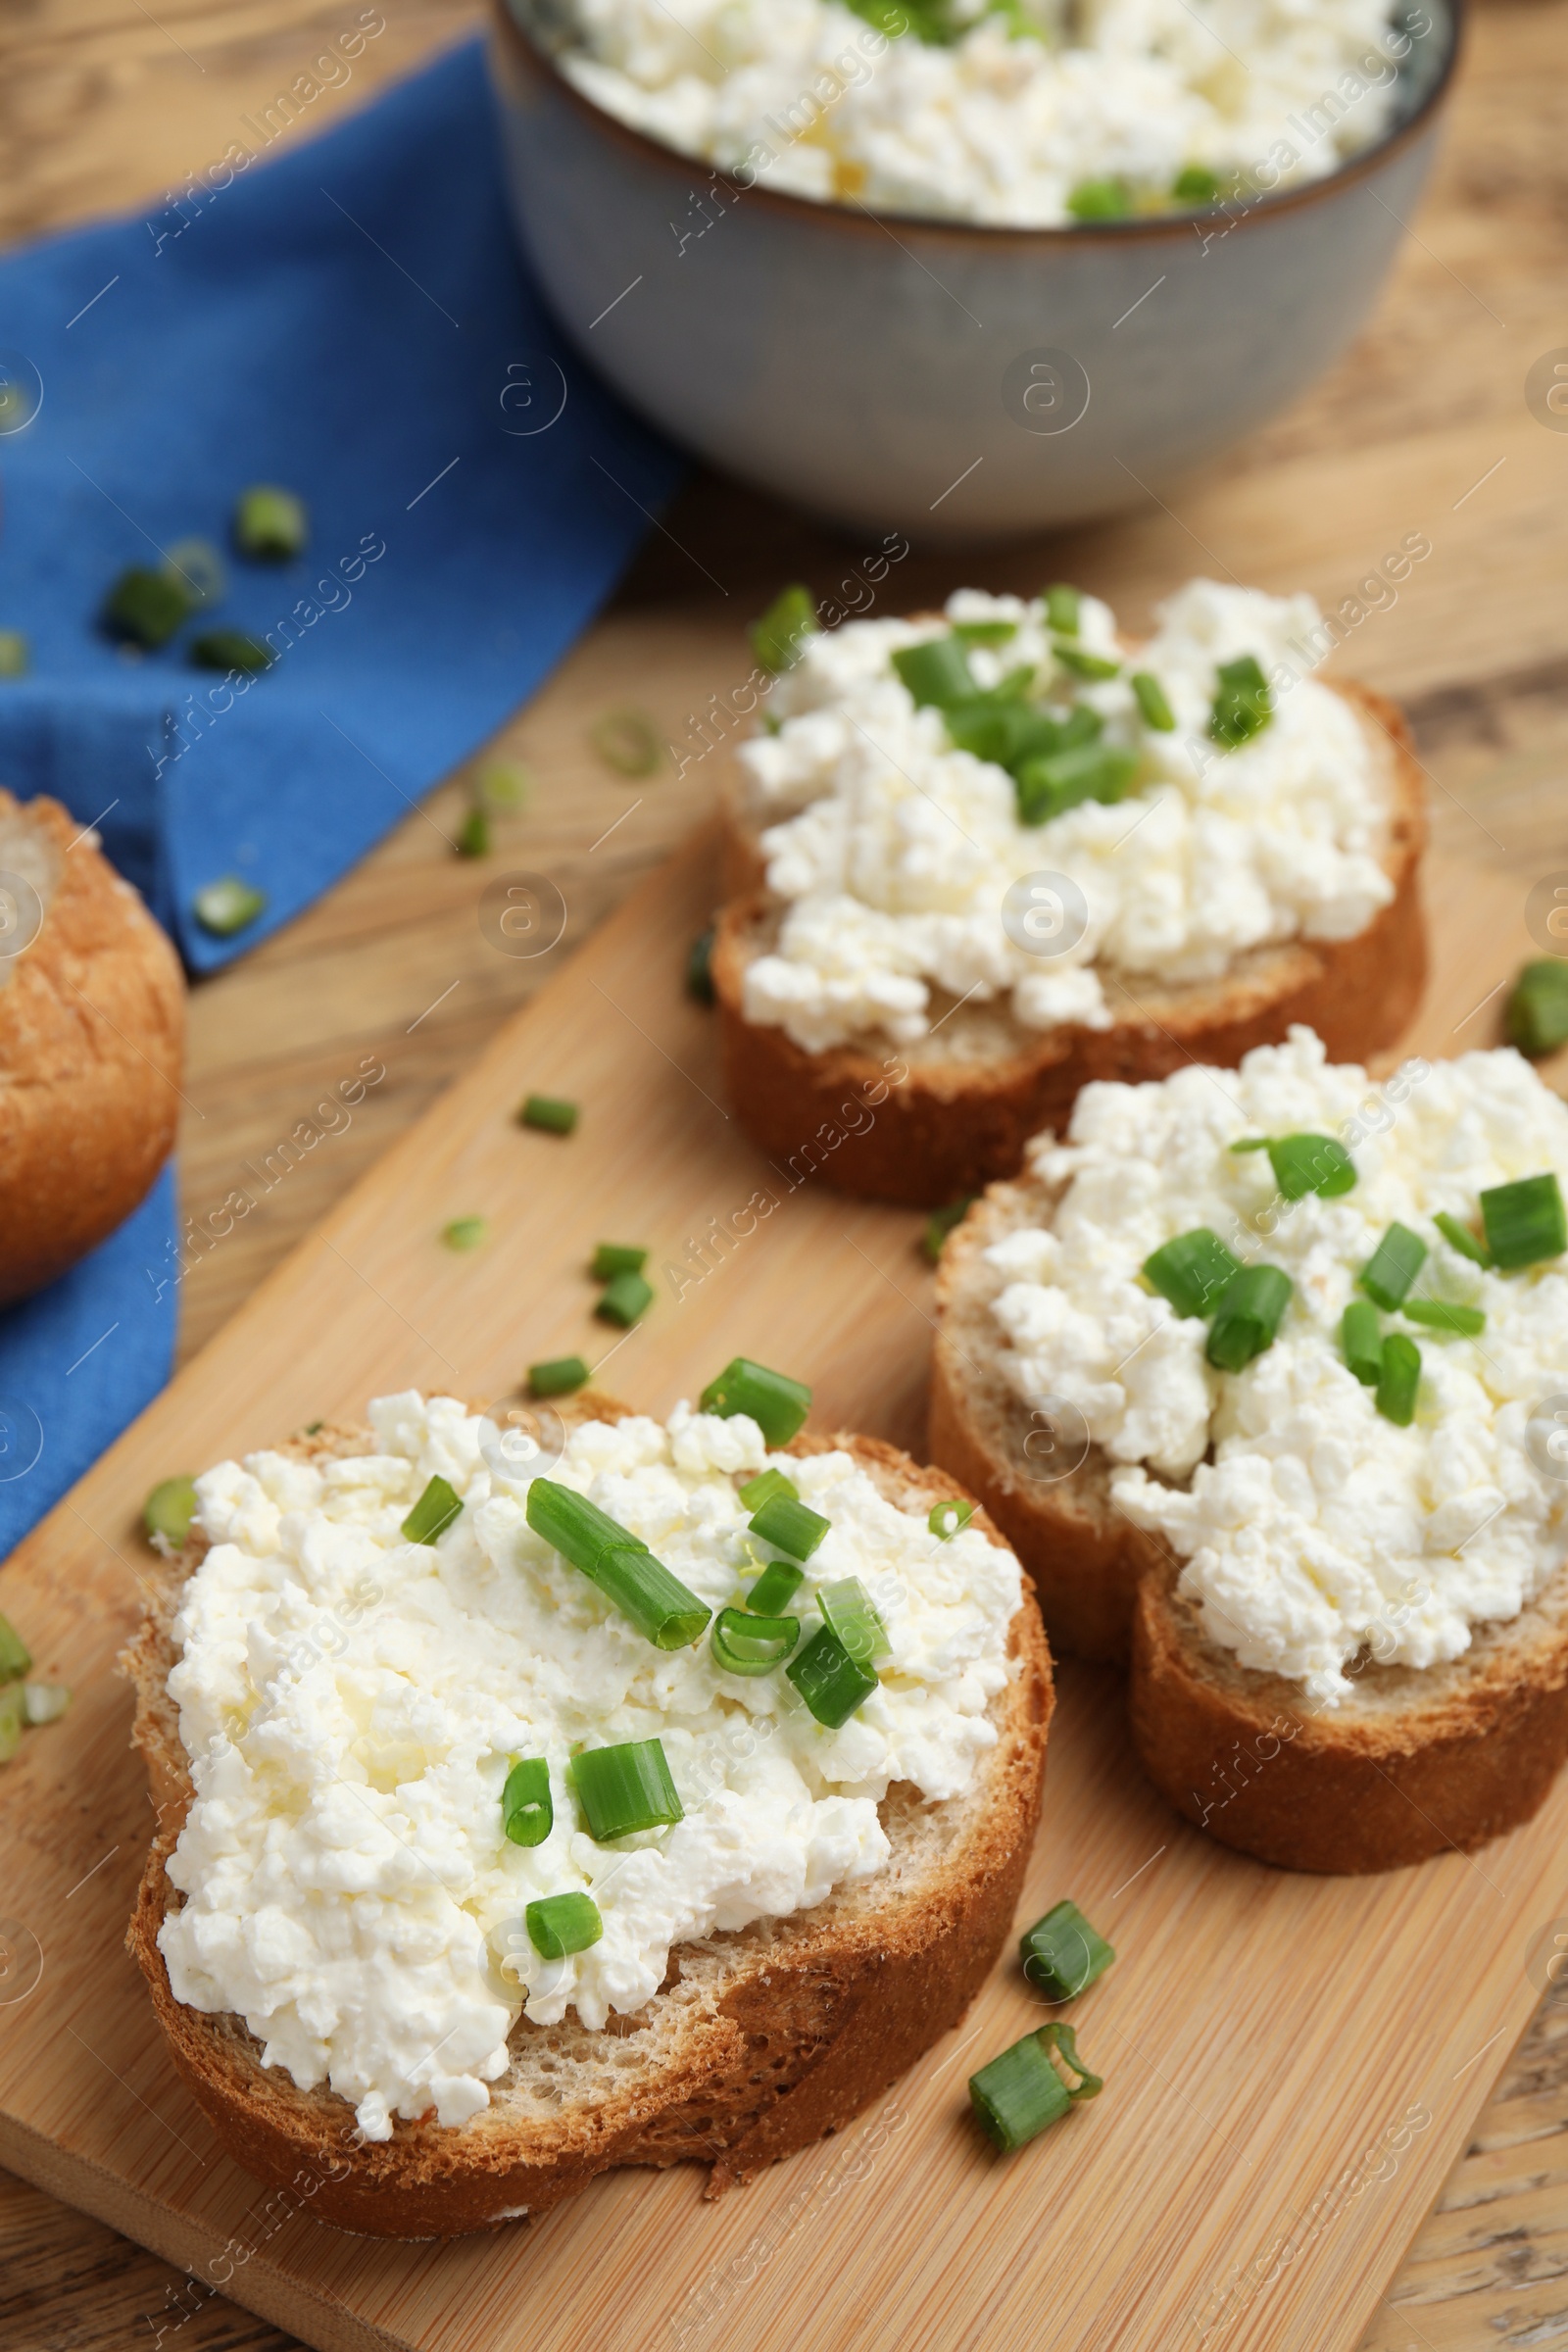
<point x="978" y="1085"/>
<point x="757" y="2043"/>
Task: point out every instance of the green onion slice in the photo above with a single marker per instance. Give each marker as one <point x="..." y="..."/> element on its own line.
<point x="1392" y="1266"/>
<point x="765" y="1485"/>
<point x="624" y="1299"/>
<point x="552" y="1112"/>
<point x="44" y="1702"/>
<point x="1249" y="1143"/>
<point x="1063" y="609"/>
<point x="936" y="672"/>
<point x="626" y="741"/>
<point x="775" y="1589"/>
<point x="229" y="650"/>
<point x="1243" y="704"/>
<point x="1399" y="1378"/>
<point x="1051" y="784"/>
<point x="502" y="787"/>
<point x="1100" y="200"/>
<point x="1153" y="707"/>
<point x="1020" y="2093"/>
<point x="747" y="1643"/>
<point x="168" y="1511"/>
<point x="562" y="1922"/>
<point x="270" y="525"/>
<point x="831" y="1682"/>
<point x="434" y="1512"/>
<point x="1086" y="665"/>
<point x="1062" y="1953"/>
<point x="941" y="1223"/>
<point x="1195" y="184"/>
<point x="700" y="967"/>
<point x="1459" y="1237"/>
<point x="528" y="1811"/>
<point x="13" y="1719"/>
<point x="626" y="1788"/>
<point x="1191" y="1271"/>
<point x="1444" y="1314"/>
<point x="1248" y="1317"/>
<point x="618" y="1562"/>
<point x="227" y="906"/>
<point x="778" y="638"/>
<point x="15" y="1655"/>
<point x="946" y="1519"/>
<point x="985" y="632"/>
<point x="465" y="1233"/>
<point x="145" y="608"/>
<point x="1524" y="1221"/>
<point x="792" y="1526"/>
<point x="849" y="1611"/>
<point x="1361" y="1337"/>
<point x="16" y="654"/>
<point x="1310" y="1164"/>
<point x="474" y="835"/>
<point x="559" y="1376"/>
<point x="610" y="1258"/>
<point x="1537" y="1009"/>
<point x="775" y="1402"/>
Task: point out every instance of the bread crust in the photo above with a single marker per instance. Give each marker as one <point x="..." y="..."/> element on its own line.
<point x="92" y="1027"/>
<point x="962" y="1113"/>
<point x="761" y="2041"/>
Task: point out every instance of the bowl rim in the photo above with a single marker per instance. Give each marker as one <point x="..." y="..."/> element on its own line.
<point x="975" y="234"/>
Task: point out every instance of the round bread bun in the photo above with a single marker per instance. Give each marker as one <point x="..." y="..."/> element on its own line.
<point x="92" y="1028"/>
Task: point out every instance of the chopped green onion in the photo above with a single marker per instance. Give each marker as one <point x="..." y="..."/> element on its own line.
<point x="941" y="1223"/>
<point x="936" y="672"/>
<point x="831" y="1682"/>
<point x="625" y="1789"/>
<point x="775" y="1589"/>
<point x="778" y="639"/>
<point x="562" y="1922"/>
<point x="1192" y="1270"/>
<point x="985" y="632"/>
<point x="1062" y="1953"/>
<point x="311" y="1428"/>
<point x="1152" y="704"/>
<point x="1444" y="1314"/>
<point x="1244" y="706"/>
<point x="14" y="654"/>
<point x="15" y="1655"/>
<point x="1195" y="184"/>
<point x="1086" y="665"/>
<point x="1310" y="1164"/>
<point x="169" y="1510"/>
<point x="792" y="1525"/>
<point x="1459" y="1237"/>
<point x="775" y="1402"/>
<point x="13" y="1718"/>
<point x="849" y="1611"/>
<point x="1399" y="1378"/>
<point x="1248" y="1316"/>
<point x="502" y="787"/>
<point x="550" y="1113"/>
<point x="1020" y="2093"/>
<point x="465" y="1233"/>
<point x="1251" y="1143"/>
<point x="1537" y="1009"/>
<point x="44" y="1702"/>
<point x="232" y="649"/>
<point x="700" y="967"/>
<point x="1063" y="609"/>
<point x="558" y="1376"/>
<point x="625" y="1297"/>
<point x="200" y="570"/>
<point x="766" y="1484"/>
<point x="474" y="835"/>
<point x="948" y="1519"/>
<point x="1361" y="1337"/>
<point x="745" y="1641"/>
<point x="527" y="1810"/>
<point x="434" y="1512"/>
<point x="626" y="741"/>
<point x="618" y="1562"/>
<point x="1100" y="200"/>
<point x="146" y="607"/>
<point x="1524" y="1221"/>
<point x="226" y="907"/>
<point x="1091" y="772"/>
<point x="1392" y="1266"/>
<point x="610" y="1258"/>
<point x="270" y="525"/>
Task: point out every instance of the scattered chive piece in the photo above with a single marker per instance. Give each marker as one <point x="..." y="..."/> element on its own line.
<point x="1062" y="1953"/>
<point x="1251" y="1143"/>
<point x="745" y="1641"/>
<point x="15" y="1655"/>
<point x="1020" y="2093"/>
<point x="43" y="1702"/>
<point x="1443" y="1314"/>
<point x="985" y="632"/>
<point x="13" y="1718"/>
<point x="434" y="1512"/>
<point x="1459" y="1237"/>
<point x="558" y="1376"/>
<point x="849" y="1612"/>
<point x="14" y="654"/>
<point x="1399" y="1378"/>
<point x="226" y="907"/>
<point x="146" y="607"/>
<point x="465" y="1233"/>
<point x="775" y="1589"/>
<point x="562" y="1922"/>
<point x="1243" y="705"/>
<point x="831" y="1682"/>
<point x="1152" y="704"/>
<point x="625" y="741"/>
<point x="1192" y="1270"/>
<point x="778" y="639"/>
<point x="232" y="649"/>
<point x="1098" y="199"/>
<point x="1248" y="1317"/>
<point x="1195" y="184"/>
<point x="1537" y="1009"/>
<point x="550" y="1113"/>
<point x="502" y="787"/>
<point x="474" y="835"/>
<point x="700" y="967"/>
<point x="527" y="1810"/>
<point x="936" y="672"/>
<point x="625" y="1789"/>
<point x="1049" y="785"/>
<point x="625" y="1297"/>
<point x="775" y="1402"/>
<point x="1392" y="1266"/>
<point x="792" y="1525"/>
<point x="940" y="1224"/>
<point x="1524" y="1221"/>
<point x="1361" y="1337"/>
<point x="765" y="1485"/>
<point x="946" y="1519"/>
<point x="610" y="1258"/>
<point x="168" y="1511"/>
<point x="199" y="570"/>
<point x="1087" y="666"/>
<point x="618" y="1562"/>
<point x="1310" y="1164"/>
<point x="270" y="525"/>
<point x="310" y="1427"/>
<point x="1063" y="606"/>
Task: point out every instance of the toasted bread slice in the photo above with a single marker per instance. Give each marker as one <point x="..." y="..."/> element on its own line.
<point x="757" y="2043"/>
<point x="953" y="1110"/>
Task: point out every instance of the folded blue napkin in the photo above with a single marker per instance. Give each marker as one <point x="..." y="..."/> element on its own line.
<point x="352" y="322"/>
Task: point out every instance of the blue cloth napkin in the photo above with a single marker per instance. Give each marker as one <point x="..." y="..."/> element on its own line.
<point x="349" y="321"/>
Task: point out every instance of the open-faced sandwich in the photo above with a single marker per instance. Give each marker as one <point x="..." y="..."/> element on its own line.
<point x="1265" y="1374"/>
<point x="658" y="1794"/>
<point x="985" y="858"/>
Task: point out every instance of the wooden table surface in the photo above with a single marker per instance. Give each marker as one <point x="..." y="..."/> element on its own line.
<point x="106" y="103"/>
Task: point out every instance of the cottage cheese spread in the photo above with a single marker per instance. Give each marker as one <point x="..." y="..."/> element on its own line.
<point x="894" y="851"/>
<point x="1314" y="1527"/>
<point x="1004" y="125"/>
<point x="351" y="1704"/>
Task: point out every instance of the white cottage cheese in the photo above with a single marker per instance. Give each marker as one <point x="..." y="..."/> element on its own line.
<point x="894" y="851"/>
<point x="1007" y="121"/>
<point x="351" y="1704"/>
<point x="1314" y="1527"/>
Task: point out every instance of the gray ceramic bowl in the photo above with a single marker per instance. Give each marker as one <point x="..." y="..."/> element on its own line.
<point x="942" y="379"/>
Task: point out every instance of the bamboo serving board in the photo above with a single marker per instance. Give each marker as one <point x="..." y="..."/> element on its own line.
<point x="1291" y="2064"/>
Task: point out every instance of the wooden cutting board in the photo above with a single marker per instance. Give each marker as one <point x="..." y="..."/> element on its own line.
<point x="1291" y="2064"/>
